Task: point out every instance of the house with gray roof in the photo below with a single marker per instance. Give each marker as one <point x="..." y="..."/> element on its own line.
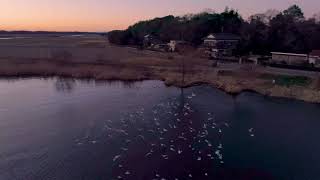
<point x="221" y="44"/>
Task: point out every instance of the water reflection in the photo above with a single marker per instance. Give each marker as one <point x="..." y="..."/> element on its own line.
<point x="65" y="84"/>
<point x="124" y="84"/>
<point x="68" y="84"/>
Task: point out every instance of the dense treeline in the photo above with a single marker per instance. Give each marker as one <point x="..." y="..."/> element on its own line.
<point x="287" y="31"/>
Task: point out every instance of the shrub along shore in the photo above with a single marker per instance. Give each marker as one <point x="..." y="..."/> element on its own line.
<point x="231" y="81"/>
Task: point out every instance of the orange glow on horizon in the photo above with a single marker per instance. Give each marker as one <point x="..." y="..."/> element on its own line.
<point x="49" y="15"/>
<point x="106" y="15"/>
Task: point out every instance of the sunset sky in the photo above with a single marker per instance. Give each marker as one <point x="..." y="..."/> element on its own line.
<point x="105" y="15"/>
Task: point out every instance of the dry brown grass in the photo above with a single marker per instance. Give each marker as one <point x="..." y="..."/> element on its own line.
<point x="317" y="83"/>
<point x="171" y="75"/>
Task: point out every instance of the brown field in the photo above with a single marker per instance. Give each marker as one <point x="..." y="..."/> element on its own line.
<point x="93" y="57"/>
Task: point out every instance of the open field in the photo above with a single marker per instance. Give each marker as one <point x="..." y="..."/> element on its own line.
<point x="92" y="56"/>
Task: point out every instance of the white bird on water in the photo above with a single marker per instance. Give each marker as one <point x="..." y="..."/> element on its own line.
<point x="165" y="156"/>
<point x="124" y="149"/>
<point x="116" y="157"/>
<point x="251" y="132"/>
<point x="218" y="154"/>
<point x="142" y="137"/>
<point x="148" y="154"/>
<point x="209" y="144"/>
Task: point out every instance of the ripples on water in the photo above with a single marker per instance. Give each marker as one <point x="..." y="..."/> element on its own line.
<point x="70" y="129"/>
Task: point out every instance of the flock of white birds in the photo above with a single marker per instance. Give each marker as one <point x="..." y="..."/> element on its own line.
<point x="166" y="132"/>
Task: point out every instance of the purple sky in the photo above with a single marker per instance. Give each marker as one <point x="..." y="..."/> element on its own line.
<point x="104" y="15"/>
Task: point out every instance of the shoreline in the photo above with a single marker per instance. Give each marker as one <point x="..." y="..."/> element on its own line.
<point x="234" y="94"/>
<point x="171" y="76"/>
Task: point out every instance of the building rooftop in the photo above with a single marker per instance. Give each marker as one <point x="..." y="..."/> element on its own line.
<point x="289" y="54"/>
<point x="222" y="36"/>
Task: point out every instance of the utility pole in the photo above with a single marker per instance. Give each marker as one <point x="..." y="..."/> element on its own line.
<point x="181" y="50"/>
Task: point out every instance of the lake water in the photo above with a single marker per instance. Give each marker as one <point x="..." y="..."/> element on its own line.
<point x="62" y="129"/>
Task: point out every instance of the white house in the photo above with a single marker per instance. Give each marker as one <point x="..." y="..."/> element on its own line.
<point x="221" y="44"/>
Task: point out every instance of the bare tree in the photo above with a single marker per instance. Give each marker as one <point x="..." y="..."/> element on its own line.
<point x="65" y="84"/>
<point x="317" y="17"/>
<point x="266" y="16"/>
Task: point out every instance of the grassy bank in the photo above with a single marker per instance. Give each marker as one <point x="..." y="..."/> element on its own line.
<point x="285" y="80"/>
<point x="169" y="70"/>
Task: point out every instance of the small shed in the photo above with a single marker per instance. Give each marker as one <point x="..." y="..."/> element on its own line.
<point x="289" y="58"/>
<point x="176" y="45"/>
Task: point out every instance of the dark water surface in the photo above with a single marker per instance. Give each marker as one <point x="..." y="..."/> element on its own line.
<point x="62" y="129"/>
